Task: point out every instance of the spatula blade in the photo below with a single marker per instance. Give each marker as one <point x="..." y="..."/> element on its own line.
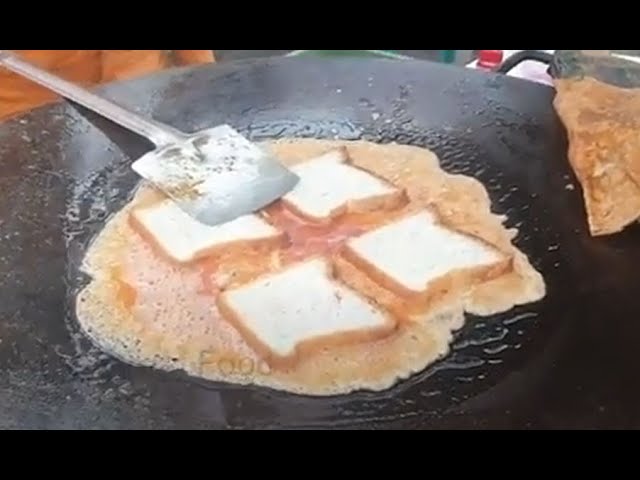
<point x="217" y="175"/>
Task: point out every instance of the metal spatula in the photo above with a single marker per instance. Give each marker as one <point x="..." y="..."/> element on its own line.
<point x="214" y="175"/>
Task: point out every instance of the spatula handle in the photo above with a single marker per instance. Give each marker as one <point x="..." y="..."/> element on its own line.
<point x="156" y="132"/>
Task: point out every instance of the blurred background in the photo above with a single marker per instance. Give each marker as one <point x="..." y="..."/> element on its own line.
<point x="460" y="57"/>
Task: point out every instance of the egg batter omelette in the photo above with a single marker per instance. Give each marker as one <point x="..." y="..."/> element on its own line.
<point x="147" y="310"/>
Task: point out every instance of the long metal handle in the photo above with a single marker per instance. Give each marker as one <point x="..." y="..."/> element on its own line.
<point x="156" y="132"/>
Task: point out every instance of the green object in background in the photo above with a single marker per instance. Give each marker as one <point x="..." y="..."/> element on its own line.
<point x="446" y="56"/>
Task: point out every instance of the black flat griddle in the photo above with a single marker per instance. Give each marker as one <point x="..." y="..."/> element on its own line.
<point x="568" y="361"/>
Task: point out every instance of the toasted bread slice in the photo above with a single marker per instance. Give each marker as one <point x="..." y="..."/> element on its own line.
<point x="302" y="308"/>
<point x="330" y="186"/>
<point x="416" y="256"/>
<point x="183" y="239"/>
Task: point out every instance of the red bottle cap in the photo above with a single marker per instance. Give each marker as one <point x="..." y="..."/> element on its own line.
<point x="490" y="59"/>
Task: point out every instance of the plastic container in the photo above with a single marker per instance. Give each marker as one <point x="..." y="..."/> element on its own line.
<point x="489" y="59"/>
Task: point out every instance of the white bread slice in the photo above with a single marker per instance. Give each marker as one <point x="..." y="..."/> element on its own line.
<point x="183" y="239"/>
<point x="416" y="255"/>
<point x="330" y="186"/>
<point x="292" y="312"/>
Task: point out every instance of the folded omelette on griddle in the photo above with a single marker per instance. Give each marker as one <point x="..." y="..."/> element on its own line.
<point x="602" y="123"/>
<point x="356" y="279"/>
